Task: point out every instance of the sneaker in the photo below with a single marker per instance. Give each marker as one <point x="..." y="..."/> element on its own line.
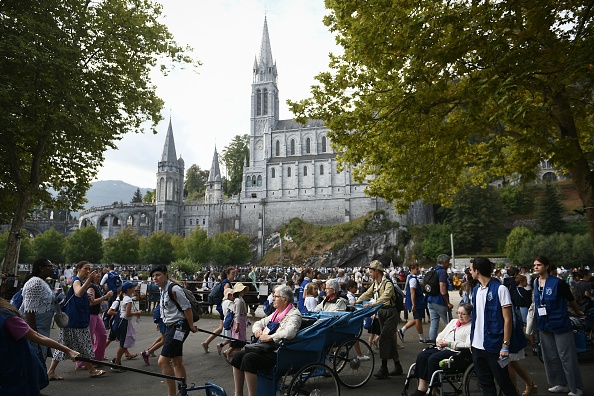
<point x="578" y="392"/>
<point x="205" y="347"/>
<point x="397" y="370"/>
<point x="364" y="357"/>
<point x="382" y="373"/>
<point x="117" y="370"/>
<point x="422" y="341"/>
<point x="145" y="357"/>
<point x="559" y="389"/>
<point x="401" y="335"/>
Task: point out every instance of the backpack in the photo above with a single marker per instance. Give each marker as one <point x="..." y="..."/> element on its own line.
<point x="112" y="322"/>
<point x="195" y="305"/>
<point x="431" y="283"/>
<point x="114" y="281"/>
<point x="17" y="300"/>
<point x="228" y="322"/>
<point x="215" y="297"/>
<point x="267" y="307"/>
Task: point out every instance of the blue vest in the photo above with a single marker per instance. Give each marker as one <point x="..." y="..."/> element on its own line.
<point x="419" y="296"/>
<point x="557" y="318"/>
<point x="493" y="318"/>
<point x="21" y="371"/>
<point x="301" y="303"/>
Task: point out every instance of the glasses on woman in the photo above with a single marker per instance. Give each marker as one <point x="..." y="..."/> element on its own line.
<point x="463" y="314"/>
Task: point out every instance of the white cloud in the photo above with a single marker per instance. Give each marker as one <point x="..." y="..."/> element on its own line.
<point x="212" y="105"/>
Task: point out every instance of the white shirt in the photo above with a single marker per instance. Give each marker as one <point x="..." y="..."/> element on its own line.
<point x="68" y="273"/>
<point x="481" y="299"/>
<point x="127" y="300"/>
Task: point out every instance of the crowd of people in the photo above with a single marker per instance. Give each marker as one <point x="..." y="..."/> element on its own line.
<point x="491" y="320"/>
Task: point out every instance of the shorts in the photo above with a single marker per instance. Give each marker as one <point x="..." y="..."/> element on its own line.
<point x="122" y="331"/>
<point x="419" y="313"/>
<point x="220" y="311"/>
<point x="162" y="327"/>
<point x="172" y="347"/>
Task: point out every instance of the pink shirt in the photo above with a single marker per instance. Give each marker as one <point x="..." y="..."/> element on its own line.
<point x="16" y="327"/>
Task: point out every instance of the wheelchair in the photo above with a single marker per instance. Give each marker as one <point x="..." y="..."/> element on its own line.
<point x="456" y="377"/>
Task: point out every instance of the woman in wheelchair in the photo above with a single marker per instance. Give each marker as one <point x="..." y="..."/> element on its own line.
<point x="283" y="324"/>
<point x="455" y="336"/>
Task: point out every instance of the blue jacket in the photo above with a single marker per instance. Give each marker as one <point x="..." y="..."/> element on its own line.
<point x="420" y="297"/>
<point x="557" y="318"/>
<point x="21" y="371"/>
<point x="493" y="319"/>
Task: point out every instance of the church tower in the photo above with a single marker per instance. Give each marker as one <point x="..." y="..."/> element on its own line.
<point x="264" y="116"/>
<point x="214" y="186"/>
<point x="170" y="188"/>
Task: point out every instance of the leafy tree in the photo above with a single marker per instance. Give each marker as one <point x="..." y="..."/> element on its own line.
<point x="431" y="95"/>
<point x="184" y="266"/>
<point x="84" y="244"/>
<point x="550" y="212"/>
<point x="123" y="248"/>
<point x="179" y="247"/>
<point x="195" y="184"/>
<point x="50" y="244"/>
<point x="514" y="241"/>
<point x="476" y="219"/>
<point x="137" y="197"/>
<point x="149" y="196"/>
<point x="230" y="248"/>
<point x="561" y="249"/>
<point x="197" y="246"/>
<point x="26" y="255"/>
<point x="157" y="249"/>
<point x="517" y="199"/>
<point x="75" y="77"/>
<point x="234" y="156"/>
<point x="436" y="241"/>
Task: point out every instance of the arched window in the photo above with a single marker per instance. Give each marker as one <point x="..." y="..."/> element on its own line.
<point x="248" y="182"/>
<point x="305" y="171"/>
<point x="321" y="169"/>
<point x="258" y="102"/>
<point x="259" y="182"/>
<point x="289" y="172"/>
<point x="277" y="148"/>
<point x="264" y="102"/>
<point x="273" y="173"/>
<point x="308" y="145"/>
<point x="254" y="181"/>
<point x="130" y="221"/>
<point x="292" y="146"/>
<point x="323" y="144"/>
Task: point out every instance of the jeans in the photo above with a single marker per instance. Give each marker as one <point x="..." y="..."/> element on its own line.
<point x="436" y="311"/>
<point x="488" y="370"/>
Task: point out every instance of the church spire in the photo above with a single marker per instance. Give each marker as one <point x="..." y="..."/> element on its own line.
<point x="264" y="66"/>
<point x="215" y="172"/>
<point x="169" y="154"/>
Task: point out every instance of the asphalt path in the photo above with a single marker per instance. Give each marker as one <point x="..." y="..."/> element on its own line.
<point x="202" y="367"/>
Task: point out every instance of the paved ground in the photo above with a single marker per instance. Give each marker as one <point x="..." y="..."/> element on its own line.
<point x="203" y="367"/>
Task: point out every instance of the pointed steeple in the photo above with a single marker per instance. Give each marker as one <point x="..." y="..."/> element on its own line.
<point x="215" y="172"/>
<point x="169" y="154"/>
<point x="265" y="49"/>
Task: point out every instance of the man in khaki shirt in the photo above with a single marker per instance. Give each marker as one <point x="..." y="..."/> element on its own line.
<point x="382" y="292"/>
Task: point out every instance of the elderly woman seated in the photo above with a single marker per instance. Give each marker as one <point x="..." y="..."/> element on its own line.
<point x="332" y="302"/>
<point x="283" y="324"/>
<point x="455" y="336"/>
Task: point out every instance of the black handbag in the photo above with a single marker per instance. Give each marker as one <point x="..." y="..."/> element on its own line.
<point x="262" y="347"/>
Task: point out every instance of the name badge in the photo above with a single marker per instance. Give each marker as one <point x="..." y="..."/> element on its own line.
<point x="179" y="335"/>
<point x="542" y="311"/>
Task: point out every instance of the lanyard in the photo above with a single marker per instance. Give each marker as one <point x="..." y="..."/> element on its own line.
<point x="541" y="293"/>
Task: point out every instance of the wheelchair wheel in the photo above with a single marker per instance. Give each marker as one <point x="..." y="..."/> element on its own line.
<point x="315" y="379"/>
<point x="471" y="385"/>
<point x="353" y="372"/>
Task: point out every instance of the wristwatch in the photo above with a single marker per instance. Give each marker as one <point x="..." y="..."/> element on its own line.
<point x="506" y="343"/>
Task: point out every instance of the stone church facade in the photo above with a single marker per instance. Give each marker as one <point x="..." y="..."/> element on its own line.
<point x="292" y="172"/>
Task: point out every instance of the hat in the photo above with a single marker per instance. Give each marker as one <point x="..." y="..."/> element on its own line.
<point x="376" y="265"/>
<point x="227" y="291"/>
<point x="128" y="285"/>
<point x="239" y="287"/>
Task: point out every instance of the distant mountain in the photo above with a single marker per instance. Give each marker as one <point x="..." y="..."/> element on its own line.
<point x="106" y="192"/>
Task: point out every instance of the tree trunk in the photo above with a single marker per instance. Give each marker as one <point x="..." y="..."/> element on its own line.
<point x="12" y="250"/>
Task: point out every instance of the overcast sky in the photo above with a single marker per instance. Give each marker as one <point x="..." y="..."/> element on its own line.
<point x="212" y="105"/>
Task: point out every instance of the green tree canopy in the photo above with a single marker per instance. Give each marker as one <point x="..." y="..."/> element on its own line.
<point x="230" y="248"/>
<point x="157" y="249"/>
<point x="550" y="211"/>
<point x="50" y="245"/>
<point x="197" y="246"/>
<point x="137" y="197"/>
<point x="195" y="184"/>
<point x="84" y="244"/>
<point x="429" y="96"/>
<point x="74" y="78"/>
<point x="123" y="248"/>
<point x="234" y="156"/>
<point x="514" y="242"/>
<point x="149" y="197"/>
